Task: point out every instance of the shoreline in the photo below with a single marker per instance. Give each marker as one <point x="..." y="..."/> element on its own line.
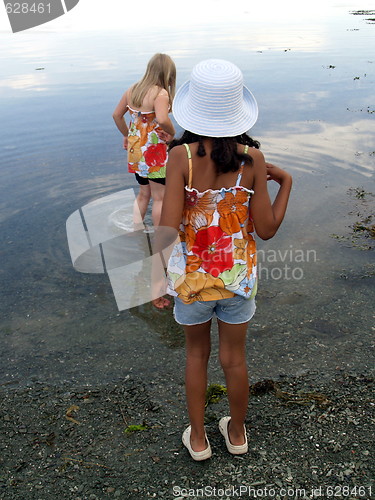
<point x="305" y="432"/>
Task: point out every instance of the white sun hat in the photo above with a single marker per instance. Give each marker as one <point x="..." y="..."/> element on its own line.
<point x="215" y="102"/>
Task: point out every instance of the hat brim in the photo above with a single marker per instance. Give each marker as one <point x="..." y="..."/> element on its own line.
<point x="214" y="126"/>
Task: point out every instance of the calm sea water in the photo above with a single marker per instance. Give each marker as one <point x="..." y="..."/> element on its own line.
<point x="59" y="149"/>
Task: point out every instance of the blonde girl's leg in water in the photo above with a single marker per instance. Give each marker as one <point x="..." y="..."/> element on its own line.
<point x="157" y="195"/>
<point x="141" y="203"/>
<point x="232" y="354"/>
<point x="198" y="348"/>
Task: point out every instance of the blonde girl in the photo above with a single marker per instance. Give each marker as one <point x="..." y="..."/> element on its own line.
<point x="148" y="103"/>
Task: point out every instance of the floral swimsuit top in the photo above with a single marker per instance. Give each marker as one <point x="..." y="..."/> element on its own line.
<point x="216" y="255"/>
<point x="147" y="154"/>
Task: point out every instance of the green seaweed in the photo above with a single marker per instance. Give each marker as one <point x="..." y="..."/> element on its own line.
<point x="357" y="192"/>
<point x="362" y="231"/>
<point x="214" y="393"/>
<point x="136" y="428"/>
<point x="301" y="398"/>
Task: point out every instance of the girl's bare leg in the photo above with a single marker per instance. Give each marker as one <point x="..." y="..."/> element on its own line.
<point x="198" y="347"/>
<point x="157" y="195"/>
<point x="232" y="353"/>
<point x="141" y="203"/>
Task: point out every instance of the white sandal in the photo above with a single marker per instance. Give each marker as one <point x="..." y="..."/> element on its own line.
<point x="196" y="455"/>
<point x="234" y="449"/>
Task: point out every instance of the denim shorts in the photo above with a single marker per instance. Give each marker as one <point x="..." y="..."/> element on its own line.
<point x="235" y="310"/>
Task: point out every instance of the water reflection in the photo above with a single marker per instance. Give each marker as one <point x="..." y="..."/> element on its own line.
<point x="321" y="147"/>
<point x="25" y="82"/>
<point x="64" y="152"/>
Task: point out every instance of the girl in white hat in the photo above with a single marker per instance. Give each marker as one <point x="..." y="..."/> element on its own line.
<point x="216" y="198"/>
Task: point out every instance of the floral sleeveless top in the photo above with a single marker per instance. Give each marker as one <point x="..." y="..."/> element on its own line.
<point x="147" y="154"/>
<point x="216" y="255"/>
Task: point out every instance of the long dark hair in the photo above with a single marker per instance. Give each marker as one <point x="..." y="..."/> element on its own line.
<point x="224" y="149"/>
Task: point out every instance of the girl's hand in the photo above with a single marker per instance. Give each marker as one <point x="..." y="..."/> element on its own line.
<point x="158" y="290"/>
<point x="126" y="142"/>
<point x="161" y="303"/>
<point x="158" y="286"/>
<point x="276" y="174"/>
<point x="164" y="136"/>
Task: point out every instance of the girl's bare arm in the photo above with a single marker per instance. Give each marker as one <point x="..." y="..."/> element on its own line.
<point x="174" y="197"/>
<point x="268" y="216"/>
<point x="161" y="107"/>
<point x="118" y="115"/>
<point x="166" y="233"/>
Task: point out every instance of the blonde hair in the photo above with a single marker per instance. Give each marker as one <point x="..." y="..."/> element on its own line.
<point x="161" y="71"/>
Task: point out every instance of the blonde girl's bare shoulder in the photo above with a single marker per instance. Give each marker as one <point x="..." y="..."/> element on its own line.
<point x="161" y="92"/>
<point x="154" y="92"/>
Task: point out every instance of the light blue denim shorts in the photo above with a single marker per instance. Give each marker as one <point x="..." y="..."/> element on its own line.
<point x="235" y="310"/>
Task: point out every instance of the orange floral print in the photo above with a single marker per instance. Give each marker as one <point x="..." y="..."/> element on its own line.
<point x="147" y="153"/>
<point x="190" y="236"/>
<point x="143" y="129"/>
<point x="152" y="169"/>
<point x="240" y="248"/>
<point x="233" y="211"/>
<point x="199" y="211"/>
<point x="181" y="235"/>
<point x="134" y="149"/>
<point x="251" y="256"/>
<point x="193" y="263"/>
<point x="250" y="225"/>
<point x="251" y="246"/>
<point x="202" y="286"/>
<point x="219" y="258"/>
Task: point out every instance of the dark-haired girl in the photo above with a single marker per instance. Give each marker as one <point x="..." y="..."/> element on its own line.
<point x="217" y="199"/>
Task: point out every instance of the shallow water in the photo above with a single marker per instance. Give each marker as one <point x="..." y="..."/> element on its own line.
<point x="59" y="149"/>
